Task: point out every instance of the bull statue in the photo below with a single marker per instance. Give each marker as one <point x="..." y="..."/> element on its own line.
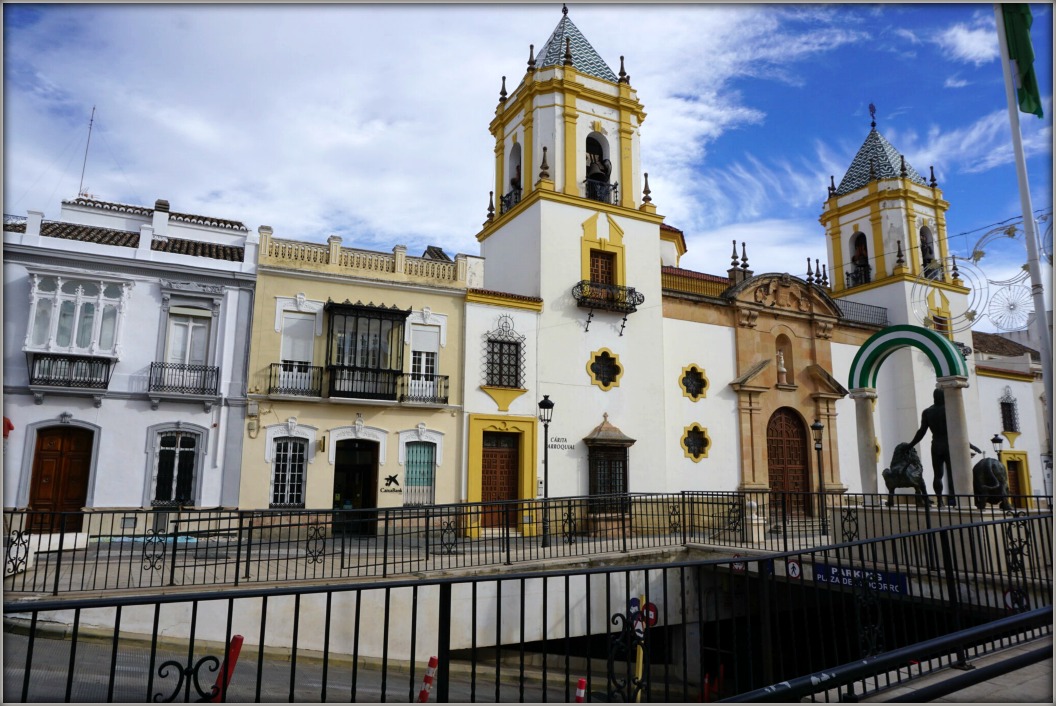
<point x="990" y="484"/>
<point x="906" y="471"/>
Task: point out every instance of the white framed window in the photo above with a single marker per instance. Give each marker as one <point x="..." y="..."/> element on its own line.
<point x="296" y="351"/>
<point x="175" y="463"/>
<point x="75" y="314"/>
<point x="188" y="339"/>
<point x="425" y="350"/>
<point x="289" y="472"/>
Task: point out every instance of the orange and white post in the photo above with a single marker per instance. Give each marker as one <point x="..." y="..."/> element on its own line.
<point x="427" y="683"/>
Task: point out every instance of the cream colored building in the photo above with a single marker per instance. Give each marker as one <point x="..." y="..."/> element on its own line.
<point x="355" y="377"/>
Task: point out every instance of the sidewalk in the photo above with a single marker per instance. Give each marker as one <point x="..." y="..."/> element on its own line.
<point x="1028" y="685"/>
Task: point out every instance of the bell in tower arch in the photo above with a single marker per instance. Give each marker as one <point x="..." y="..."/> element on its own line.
<point x="598" y="168"/>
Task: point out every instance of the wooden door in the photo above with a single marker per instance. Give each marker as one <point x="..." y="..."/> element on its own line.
<point x="499" y="471"/>
<point x="786" y="446"/>
<point x="356" y="487"/>
<point x="1014" y="466"/>
<point x="61" y="466"/>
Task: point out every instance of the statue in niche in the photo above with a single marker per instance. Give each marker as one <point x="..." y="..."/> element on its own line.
<point x="782" y="372"/>
<point x="933" y="419"/>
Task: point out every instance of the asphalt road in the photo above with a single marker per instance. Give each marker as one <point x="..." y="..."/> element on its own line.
<point x="92" y="665"/>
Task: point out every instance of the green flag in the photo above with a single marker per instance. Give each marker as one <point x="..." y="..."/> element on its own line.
<point x="1017" y="31"/>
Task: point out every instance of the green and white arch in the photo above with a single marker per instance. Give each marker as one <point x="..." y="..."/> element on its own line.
<point x="943" y="355"/>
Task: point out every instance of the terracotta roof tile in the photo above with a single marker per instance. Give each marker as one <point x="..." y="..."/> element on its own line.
<point x="146" y="211"/>
<point x="995" y="344"/>
<point x="87" y="234"/>
<point x="216" y="251"/>
<point x="694" y="275"/>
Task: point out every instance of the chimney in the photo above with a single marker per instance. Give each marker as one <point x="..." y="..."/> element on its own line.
<point x="33" y="221"/>
<point x="161" y="217"/>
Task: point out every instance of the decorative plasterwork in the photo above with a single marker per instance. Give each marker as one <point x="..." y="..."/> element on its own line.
<point x="823" y="330"/>
<point x="359" y="431"/>
<point x="302" y="304"/>
<point x="747" y="317"/>
<point x="783" y="293"/>
<point x="421" y="433"/>
<point x="289" y="428"/>
<point x="426" y="317"/>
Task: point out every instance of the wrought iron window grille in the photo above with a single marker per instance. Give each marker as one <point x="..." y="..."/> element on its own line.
<point x="503" y="355"/>
<point x="694" y="383"/>
<point x="859" y="274"/>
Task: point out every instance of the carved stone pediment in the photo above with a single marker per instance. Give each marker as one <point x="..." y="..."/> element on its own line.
<point x="782" y="292"/>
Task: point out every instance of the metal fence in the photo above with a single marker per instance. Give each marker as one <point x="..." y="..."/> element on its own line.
<point x="687" y="630"/>
<point x="153" y="548"/>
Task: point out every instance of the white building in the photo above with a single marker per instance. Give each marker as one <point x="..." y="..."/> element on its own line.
<point x="125" y="347"/>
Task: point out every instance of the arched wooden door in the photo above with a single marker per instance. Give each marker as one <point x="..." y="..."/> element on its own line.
<point x="787" y="454"/>
<point x="62" y="463"/>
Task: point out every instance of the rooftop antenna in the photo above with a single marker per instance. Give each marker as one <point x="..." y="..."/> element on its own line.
<point x="80" y="187"/>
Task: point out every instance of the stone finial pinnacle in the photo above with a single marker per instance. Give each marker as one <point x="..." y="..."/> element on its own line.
<point x="502" y="93"/>
<point x="564" y="9"/>
<point x="544" y="168"/>
<point x="872" y="114"/>
<point x="733" y="262"/>
<point x="531" y="57"/>
<point x="491" y="205"/>
<point x="744" y="257"/>
<point x="646" y="198"/>
<point x="568" y="51"/>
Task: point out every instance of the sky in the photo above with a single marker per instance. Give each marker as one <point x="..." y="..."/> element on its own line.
<point x="371" y="121"/>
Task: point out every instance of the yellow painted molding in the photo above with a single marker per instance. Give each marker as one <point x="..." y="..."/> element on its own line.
<point x="985" y="372"/>
<point x="503" y="396"/>
<point x="677" y="239"/>
<point x="527" y="200"/>
<point x="685" y="448"/>
<point x="1011" y="436"/>
<point x="613" y="244"/>
<point x="1024" y="469"/>
<point x="593" y="378"/>
<point x="901" y="278"/>
<point x="500" y="299"/>
<point x="681" y="382"/>
<point x="527" y="428"/>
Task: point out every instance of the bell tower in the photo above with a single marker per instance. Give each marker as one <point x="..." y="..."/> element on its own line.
<point x="885" y="231"/>
<point x="571" y="222"/>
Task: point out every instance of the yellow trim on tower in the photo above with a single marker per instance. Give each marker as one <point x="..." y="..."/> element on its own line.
<point x="613" y="244"/>
<point x="877" y="246"/>
<point x="570" y="116"/>
<point x="529" y="170"/>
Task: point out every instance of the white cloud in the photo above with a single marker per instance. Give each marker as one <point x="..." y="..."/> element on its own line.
<point x="773" y="245"/>
<point x="955" y="82"/>
<point x="975" y="44"/>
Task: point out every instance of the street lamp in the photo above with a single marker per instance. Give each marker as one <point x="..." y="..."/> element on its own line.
<point x="816" y="429"/>
<point x="546" y="413"/>
<point x="997" y="441"/>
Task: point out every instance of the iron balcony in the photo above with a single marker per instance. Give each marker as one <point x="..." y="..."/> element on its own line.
<point x="70" y="371"/>
<point x="184" y="379"/>
<point x="607" y="297"/>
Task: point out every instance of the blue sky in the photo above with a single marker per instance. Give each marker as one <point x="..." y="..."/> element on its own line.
<point x="370" y="121"/>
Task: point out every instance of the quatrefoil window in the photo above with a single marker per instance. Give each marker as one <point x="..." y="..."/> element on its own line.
<point x="694" y="383"/>
<point x="604" y="369"/>
<point x="695" y="442"/>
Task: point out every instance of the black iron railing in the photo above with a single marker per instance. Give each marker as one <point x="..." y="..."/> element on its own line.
<point x="231" y="547"/>
<point x="423" y="389"/>
<point x="859" y="274"/>
<point x="184" y="378"/>
<point x="363" y="383"/>
<point x="72" y="371"/>
<point x="602" y="191"/>
<point x="295" y="378"/>
<point x="676" y="629"/>
<point x="608" y="297"/>
<point x="509" y="200"/>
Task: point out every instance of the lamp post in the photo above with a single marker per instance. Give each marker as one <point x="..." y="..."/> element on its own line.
<point x="816" y="429"/>
<point x="997" y="441"/>
<point x="546" y="413"/>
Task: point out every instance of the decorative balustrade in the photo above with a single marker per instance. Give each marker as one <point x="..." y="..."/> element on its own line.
<point x="298" y="252"/>
<point x="608" y="297"/>
<point x="70" y="371"/>
<point x="433" y="269"/>
<point x="295" y="378"/>
<point x="366" y="260"/>
<point x="670" y="281"/>
<point x="184" y="378"/>
<point x="397" y="262"/>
